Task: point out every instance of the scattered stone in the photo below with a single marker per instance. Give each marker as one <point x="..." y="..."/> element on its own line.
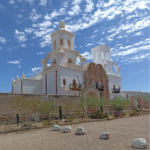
<point x="80" y="130"/>
<point x="67" y="129"/>
<point x="56" y="128"/>
<point x="26" y="124"/>
<point x="105" y="135"/>
<point x="139" y="143"/>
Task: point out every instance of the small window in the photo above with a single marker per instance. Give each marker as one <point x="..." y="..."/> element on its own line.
<point x="54" y="61"/>
<point x="96" y="83"/>
<point x="54" y="44"/>
<point x="64" y="81"/>
<point x="61" y="42"/>
<point x="74" y="83"/>
<point x="69" y="45"/>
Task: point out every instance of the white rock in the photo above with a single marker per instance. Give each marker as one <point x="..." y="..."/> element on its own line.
<point x="80" y="130"/>
<point x="67" y="129"/>
<point x="56" y="128"/>
<point x="105" y="135"/>
<point x="139" y="143"/>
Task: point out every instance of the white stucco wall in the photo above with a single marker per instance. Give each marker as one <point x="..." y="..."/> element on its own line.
<point x="17" y="87"/>
<point x="32" y="86"/>
<point x="69" y="75"/>
<point x="51" y="83"/>
<point x="43" y="84"/>
<point x="114" y="80"/>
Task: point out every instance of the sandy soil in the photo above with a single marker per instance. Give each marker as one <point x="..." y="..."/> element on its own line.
<point x="122" y="132"/>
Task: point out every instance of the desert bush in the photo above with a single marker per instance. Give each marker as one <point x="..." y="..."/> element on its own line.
<point x="45" y="122"/>
<point x="117" y="114"/>
<point x="124" y="113"/>
<point x="134" y="113"/>
<point x="99" y="115"/>
<point x="70" y="119"/>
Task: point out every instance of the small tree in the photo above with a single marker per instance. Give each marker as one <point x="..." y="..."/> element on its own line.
<point x="119" y="102"/>
<point x="21" y="104"/>
<point x="51" y="108"/>
<point x="67" y="106"/>
<point x="91" y="101"/>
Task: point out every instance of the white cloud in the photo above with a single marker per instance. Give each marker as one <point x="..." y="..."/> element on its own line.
<point x="76" y="2"/>
<point x="131" y="51"/>
<point x="43" y="2"/>
<point x="39" y="53"/>
<point x="1" y="6"/>
<point x="35" y="69"/>
<point x="2" y="40"/>
<point x="46" y="41"/>
<point x="89" y="44"/>
<point x="75" y="10"/>
<point x="23" y="45"/>
<point x="89" y="6"/>
<point x="95" y="31"/>
<point x="45" y="24"/>
<point x="14" y="62"/>
<point x="20" y="36"/>
<point x="12" y="2"/>
<point x="119" y="37"/>
<point x="137" y="34"/>
<point x="0" y="47"/>
<point x="28" y="30"/>
<point x="19" y="66"/>
<point x="34" y="16"/>
<point x="55" y="14"/>
<point x="87" y="55"/>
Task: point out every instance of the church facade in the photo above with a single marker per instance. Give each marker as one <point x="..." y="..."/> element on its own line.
<point x="65" y="77"/>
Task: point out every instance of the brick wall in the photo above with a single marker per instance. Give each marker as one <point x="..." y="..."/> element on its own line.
<point x="146" y="104"/>
<point x="6" y="100"/>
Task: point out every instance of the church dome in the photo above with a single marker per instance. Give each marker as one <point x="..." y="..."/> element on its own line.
<point x="39" y="73"/>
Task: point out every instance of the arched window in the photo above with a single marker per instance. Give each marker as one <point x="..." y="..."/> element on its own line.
<point x="54" y="61"/>
<point x="61" y="42"/>
<point x="74" y="83"/>
<point x="70" y="61"/>
<point x="64" y="81"/>
<point x="102" y="55"/>
<point x="54" y="44"/>
<point x="69" y="45"/>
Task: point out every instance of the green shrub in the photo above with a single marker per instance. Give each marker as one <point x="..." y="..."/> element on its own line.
<point x="45" y="122"/>
<point x="70" y="119"/>
<point x="124" y="113"/>
<point x="99" y="115"/>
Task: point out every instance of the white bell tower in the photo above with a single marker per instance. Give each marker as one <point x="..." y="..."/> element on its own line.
<point x="101" y="55"/>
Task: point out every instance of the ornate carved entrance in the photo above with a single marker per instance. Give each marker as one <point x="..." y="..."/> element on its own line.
<point x="96" y="75"/>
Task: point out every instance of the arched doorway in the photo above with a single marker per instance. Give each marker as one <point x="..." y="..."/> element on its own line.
<point x="92" y="109"/>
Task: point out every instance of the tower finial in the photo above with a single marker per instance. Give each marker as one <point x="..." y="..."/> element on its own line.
<point x="62" y="24"/>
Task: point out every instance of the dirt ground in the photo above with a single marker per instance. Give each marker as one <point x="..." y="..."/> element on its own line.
<point x="122" y="132"/>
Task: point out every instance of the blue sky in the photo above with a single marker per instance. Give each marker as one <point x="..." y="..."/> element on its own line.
<point x="26" y="25"/>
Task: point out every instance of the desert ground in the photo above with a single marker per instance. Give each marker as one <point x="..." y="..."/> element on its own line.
<point x="122" y="132"/>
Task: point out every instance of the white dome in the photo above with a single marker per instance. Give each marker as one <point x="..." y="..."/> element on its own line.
<point x="39" y="73"/>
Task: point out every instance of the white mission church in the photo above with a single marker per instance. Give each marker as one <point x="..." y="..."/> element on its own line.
<point x="60" y="78"/>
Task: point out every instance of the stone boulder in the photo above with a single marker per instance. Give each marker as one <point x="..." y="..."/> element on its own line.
<point x="105" y="135"/>
<point x="139" y="143"/>
<point x="56" y="128"/>
<point x="67" y="129"/>
<point x="80" y="131"/>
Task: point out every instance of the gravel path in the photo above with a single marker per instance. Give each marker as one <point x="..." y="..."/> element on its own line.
<point x="122" y="132"/>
